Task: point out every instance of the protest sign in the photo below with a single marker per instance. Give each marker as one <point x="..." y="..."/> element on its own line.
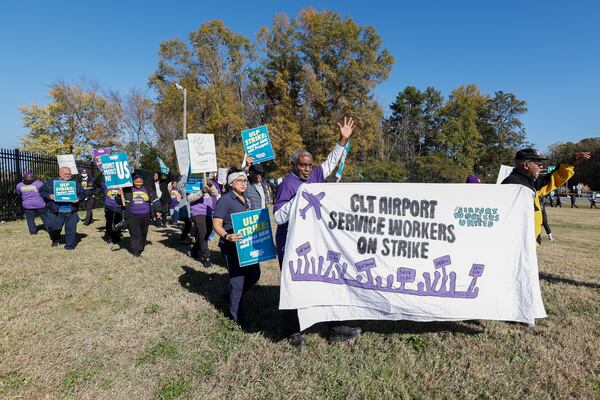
<point x="340" y="170"/>
<point x="65" y="191"/>
<point x="116" y="170"/>
<point x="182" y="151"/>
<point x="67" y="160"/>
<point x="203" y="156"/>
<point x="257" y="144"/>
<point x="163" y="168"/>
<point x="193" y="184"/>
<point x="100" y="152"/>
<point x="257" y="237"/>
<point x="504" y="171"/>
<point x="419" y="252"/>
<point x="222" y="176"/>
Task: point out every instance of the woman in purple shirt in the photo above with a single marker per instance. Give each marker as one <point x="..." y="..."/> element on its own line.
<point x="138" y="200"/>
<point x="32" y="202"/>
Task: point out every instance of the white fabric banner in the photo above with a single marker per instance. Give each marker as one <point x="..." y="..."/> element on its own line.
<point x="203" y="156"/>
<point x="67" y="160"/>
<point x="422" y="252"/>
<point x="182" y="151"/>
<point x="504" y="171"/>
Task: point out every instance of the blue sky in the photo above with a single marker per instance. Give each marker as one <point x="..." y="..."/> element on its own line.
<point x="546" y="52"/>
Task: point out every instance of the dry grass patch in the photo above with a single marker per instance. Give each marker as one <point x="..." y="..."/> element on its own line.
<point x="99" y="324"/>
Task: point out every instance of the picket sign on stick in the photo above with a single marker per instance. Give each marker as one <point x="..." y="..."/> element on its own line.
<point x="407" y="251"/>
<point x="340" y="170"/>
<point x="67" y="160"/>
<point x="182" y="151"/>
<point x="203" y="157"/>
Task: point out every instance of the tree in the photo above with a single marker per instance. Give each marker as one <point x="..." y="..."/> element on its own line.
<point x="411" y="128"/>
<point x="587" y="172"/>
<point x="214" y="69"/>
<point x="77" y="119"/>
<point x="436" y="168"/>
<point x="343" y="63"/>
<point x="137" y="115"/>
<point x="459" y="136"/>
<point x="502" y="132"/>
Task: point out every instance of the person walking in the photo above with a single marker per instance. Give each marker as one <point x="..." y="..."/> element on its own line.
<point x="113" y="213"/>
<point x="202" y="205"/>
<point x="138" y="200"/>
<point x="62" y="213"/>
<point x="33" y="204"/>
<point x="88" y="185"/>
<point x="303" y="172"/>
<point x="241" y="279"/>
<point x="573" y="199"/>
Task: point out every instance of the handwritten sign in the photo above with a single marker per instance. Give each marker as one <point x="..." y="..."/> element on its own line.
<point x="182" y="151"/>
<point x="116" y="170"/>
<point x="420" y="252"/>
<point x="65" y="191"/>
<point x="222" y="176"/>
<point x="257" y="237"/>
<point x="100" y="152"/>
<point x="203" y="157"/>
<point x="67" y="160"/>
<point x="257" y="144"/>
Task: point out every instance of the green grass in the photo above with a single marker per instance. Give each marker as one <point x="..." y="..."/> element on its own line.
<point x="96" y="323"/>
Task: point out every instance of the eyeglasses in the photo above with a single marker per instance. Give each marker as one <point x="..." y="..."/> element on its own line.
<point x="539" y="164"/>
<point x="241" y="180"/>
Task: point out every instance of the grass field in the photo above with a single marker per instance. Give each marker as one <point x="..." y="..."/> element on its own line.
<point x="96" y="323"/>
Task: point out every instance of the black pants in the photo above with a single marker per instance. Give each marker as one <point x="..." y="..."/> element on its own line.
<point x="138" y="231"/>
<point x="30" y="215"/>
<point x="113" y="216"/>
<point x="240" y="280"/>
<point x="89" y="207"/>
<point x="204" y="226"/>
<point x="55" y="224"/>
<point x="187" y="227"/>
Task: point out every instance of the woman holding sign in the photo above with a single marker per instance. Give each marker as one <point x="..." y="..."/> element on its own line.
<point x="138" y="200"/>
<point x="240" y="278"/>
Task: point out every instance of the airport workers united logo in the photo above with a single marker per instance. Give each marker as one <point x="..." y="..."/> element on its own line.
<point x="476" y="216"/>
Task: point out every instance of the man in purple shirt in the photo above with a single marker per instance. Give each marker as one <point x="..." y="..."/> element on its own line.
<point x="303" y="172"/>
<point x="32" y="202"/>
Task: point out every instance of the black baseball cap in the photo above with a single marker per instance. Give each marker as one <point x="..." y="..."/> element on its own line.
<point x="529" y="154"/>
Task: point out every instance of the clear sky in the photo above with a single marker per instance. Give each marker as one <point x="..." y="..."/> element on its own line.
<point x="546" y="52"/>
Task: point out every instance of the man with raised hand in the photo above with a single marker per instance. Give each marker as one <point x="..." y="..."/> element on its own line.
<point x="303" y="172"/>
<point x="62" y="213"/>
<point x="528" y="164"/>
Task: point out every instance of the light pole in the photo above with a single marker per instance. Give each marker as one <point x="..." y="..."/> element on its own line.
<point x="178" y="86"/>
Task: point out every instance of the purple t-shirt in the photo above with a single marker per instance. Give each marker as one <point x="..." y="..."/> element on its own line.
<point x="173" y="203"/>
<point x="286" y="192"/>
<point x="203" y="206"/>
<point x="140" y="201"/>
<point x="30" y="194"/>
<point x="109" y="197"/>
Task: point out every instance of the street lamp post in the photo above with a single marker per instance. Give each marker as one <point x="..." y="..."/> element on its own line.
<point x="184" y="108"/>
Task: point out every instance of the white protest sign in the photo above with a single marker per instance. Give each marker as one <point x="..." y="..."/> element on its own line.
<point x="183" y="155"/>
<point x="67" y="160"/>
<point x="504" y="171"/>
<point x="203" y="157"/>
<point x="222" y="176"/>
<point x="419" y="252"/>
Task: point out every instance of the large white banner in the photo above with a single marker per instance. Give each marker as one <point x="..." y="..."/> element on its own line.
<point x="182" y="151"/>
<point x="67" y="160"/>
<point x="419" y="252"/>
<point x="203" y="157"/>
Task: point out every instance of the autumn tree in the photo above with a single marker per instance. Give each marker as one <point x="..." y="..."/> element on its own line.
<point x="77" y="119"/>
<point x="214" y="68"/>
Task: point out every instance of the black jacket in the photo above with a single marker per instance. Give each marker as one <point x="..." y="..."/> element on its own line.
<point x="48" y="189"/>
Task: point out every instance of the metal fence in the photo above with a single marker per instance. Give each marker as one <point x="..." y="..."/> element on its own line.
<point x="13" y="164"/>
